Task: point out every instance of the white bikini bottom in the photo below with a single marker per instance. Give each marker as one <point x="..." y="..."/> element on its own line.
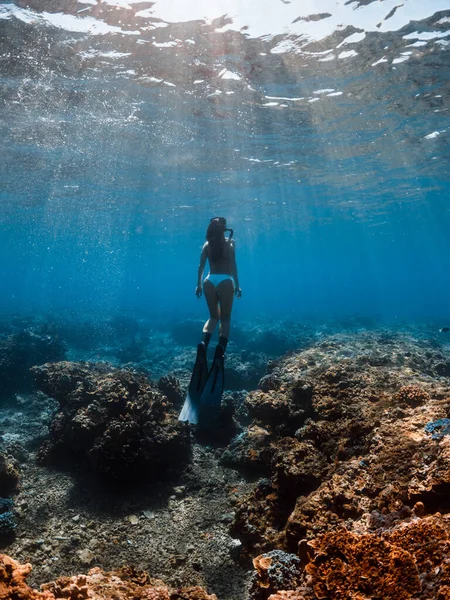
<point x="216" y="278"/>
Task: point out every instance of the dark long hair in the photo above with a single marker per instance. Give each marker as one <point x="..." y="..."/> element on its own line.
<point x="215" y="235"/>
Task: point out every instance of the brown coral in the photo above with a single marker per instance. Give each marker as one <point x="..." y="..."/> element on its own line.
<point x="412" y="395"/>
<point x="428" y="540"/>
<point x="332" y="503"/>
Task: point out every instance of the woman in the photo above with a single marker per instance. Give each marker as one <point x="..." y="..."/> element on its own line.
<point x="221" y="283"/>
<point x="202" y="404"/>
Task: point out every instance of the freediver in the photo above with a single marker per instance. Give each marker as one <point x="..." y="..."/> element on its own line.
<point x="202" y="404"/>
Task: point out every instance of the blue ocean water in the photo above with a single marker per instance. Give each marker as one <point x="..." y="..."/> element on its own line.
<point x="319" y="129"/>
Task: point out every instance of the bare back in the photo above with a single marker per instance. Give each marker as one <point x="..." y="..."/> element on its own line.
<point x="226" y="263"/>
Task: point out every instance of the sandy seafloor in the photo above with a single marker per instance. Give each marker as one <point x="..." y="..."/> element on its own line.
<point x="176" y="530"/>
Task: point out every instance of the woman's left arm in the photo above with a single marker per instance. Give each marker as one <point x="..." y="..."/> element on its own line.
<point x="201" y="268"/>
<point x="234" y="271"/>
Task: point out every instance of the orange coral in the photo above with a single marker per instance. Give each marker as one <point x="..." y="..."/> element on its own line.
<point x="347" y="564"/>
<point x="13" y="584"/>
<point x="428" y="540"/>
<point x="98" y="585"/>
<point x="126" y="584"/>
<point x="287" y="595"/>
<point x="261" y="564"/>
<point x="275" y="570"/>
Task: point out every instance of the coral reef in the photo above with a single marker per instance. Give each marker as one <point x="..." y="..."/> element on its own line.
<point x="115" y="418"/>
<point x="342" y="432"/>
<point x="259" y="519"/>
<point x="124" y="584"/>
<point x="339" y="486"/>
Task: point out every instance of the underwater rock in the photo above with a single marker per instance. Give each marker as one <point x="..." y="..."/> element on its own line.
<point x="271" y="381"/>
<point x="80" y="334"/>
<point x="95" y="330"/>
<point x="9" y="475"/>
<point x="131" y="352"/>
<point x="170" y="387"/>
<point x="332" y="503"/>
<point x="297" y="467"/>
<point x="442" y="369"/>
<point x="123" y="584"/>
<point x="259" y="520"/>
<point x="9" y="482"/>
<point x="115" y="418"/>
<point x="249" y="450"/>
<point x="240" y="412"/>
<point x="21" y="351"/>
<point x="283" y="410"/>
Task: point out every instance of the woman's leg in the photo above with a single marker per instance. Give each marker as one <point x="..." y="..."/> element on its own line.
<point x="212" y="300"/>
<point x="225" y="292"/>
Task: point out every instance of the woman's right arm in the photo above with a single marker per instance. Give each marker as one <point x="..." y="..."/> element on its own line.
<point x="201" y="268"/>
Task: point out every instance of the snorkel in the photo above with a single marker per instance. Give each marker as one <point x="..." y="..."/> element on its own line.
<point x="223" y="222"/>
<point x="230" y="231"/>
